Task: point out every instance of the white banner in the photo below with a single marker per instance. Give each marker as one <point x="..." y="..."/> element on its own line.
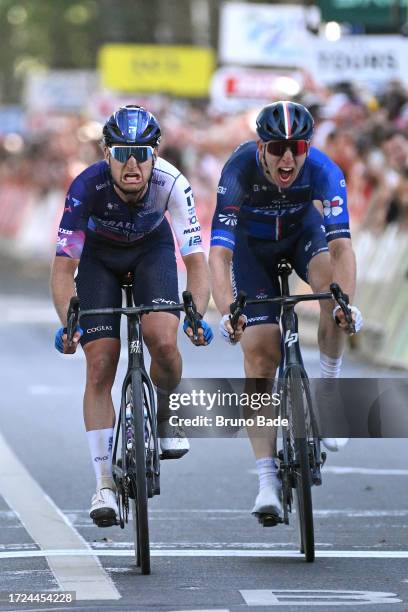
<point x="263" y="35"/>
<point x="59" y="90"/>
<point x="239" y="88"/>
<point x="360" y="59"/>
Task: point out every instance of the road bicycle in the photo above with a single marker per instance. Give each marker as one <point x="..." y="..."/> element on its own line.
<point x="300" y="458"/>
<point x="135" y="455"/>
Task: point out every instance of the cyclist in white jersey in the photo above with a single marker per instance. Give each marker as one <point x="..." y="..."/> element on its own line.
<point x="114" y="222"/>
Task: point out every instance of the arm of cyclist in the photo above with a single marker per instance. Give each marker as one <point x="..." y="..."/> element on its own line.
<point x="62" y="289"/>
<point x="344" y="273"/>
<point x="198" y="283"/>
<point x="220" y="269"/>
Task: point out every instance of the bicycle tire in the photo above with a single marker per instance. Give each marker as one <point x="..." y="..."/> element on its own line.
<point x="302" y="474"/>
<point x="138" y="479"/>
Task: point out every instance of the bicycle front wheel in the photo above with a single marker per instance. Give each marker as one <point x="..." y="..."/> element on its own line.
<point x="302" y="473"/>
<point x="137" y="475"/>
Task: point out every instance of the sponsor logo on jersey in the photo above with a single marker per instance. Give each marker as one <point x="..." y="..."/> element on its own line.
<point x="191" y="230"/>
<point x="221" y="190"/>
<point x="228" y="219"/>
<point x="342" y="183"/>
<point x="94" y="330"/>
<point x="161" y="300"/>
<point x="261" y="295"/>
<point x="254" y="319"/>
<point x="101" y="186"/>
<point x="112" y="206"/>
<point x="75" y="201"/>
<point x="68" y="232"/>
<point x="159" y="182"/>
<point x="333" y="207"/>
<point x="256" y="187"/>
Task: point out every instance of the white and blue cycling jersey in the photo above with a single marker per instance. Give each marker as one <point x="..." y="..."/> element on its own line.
<point x="247" y="201"/>
<point x="93" y="208"/>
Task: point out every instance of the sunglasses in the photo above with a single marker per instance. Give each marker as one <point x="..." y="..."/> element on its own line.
<point x="278" y="147"/>
<point x="122" y="153"/>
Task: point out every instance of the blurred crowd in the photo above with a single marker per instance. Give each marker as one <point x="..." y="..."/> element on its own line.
<point x="365" y="133"/>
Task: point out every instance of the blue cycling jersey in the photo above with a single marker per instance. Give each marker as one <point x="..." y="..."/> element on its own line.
<point x="248" y="201"/>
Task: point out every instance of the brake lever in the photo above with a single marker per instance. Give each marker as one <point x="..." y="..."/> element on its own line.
<point x="236" y="310"/>
<point x="191" y="313"/>
<point x="72" y="319"/>
<point x="342" y="300"/>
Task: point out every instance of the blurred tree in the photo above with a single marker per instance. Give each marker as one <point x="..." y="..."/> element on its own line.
<point x="37" y="34"/>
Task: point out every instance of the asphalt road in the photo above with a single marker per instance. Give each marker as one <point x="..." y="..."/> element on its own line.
<point x="209" y="552"/>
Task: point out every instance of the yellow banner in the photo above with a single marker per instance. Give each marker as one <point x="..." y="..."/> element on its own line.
<point x="177" y="70"/>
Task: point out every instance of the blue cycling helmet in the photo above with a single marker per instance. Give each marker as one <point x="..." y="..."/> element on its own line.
<point x="131" y="125"/>
<point x="284" y="121"/>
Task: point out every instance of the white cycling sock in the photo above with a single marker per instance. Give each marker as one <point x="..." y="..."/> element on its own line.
<point x="100" y="444"/>
<point x="267" y="472"/>
<point x="330" y="366"/>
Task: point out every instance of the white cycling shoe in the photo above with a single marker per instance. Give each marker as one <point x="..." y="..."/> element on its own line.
<point x="173" y="441"/>
<point x="335" y="444"/>
<point x="104" y="508"/>
<point x="268" y="502"/>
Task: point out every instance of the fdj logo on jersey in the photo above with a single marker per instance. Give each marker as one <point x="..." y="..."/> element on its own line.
<point x="333" y="207"/>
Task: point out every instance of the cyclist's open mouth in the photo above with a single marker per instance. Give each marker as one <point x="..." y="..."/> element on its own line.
<point x="285" y="174"/>
<point x="132" y="177"/>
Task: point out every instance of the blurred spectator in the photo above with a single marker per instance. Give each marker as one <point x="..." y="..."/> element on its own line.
<point x="364" y="132"/>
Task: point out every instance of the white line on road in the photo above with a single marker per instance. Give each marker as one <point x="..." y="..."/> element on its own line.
<point x="340" y="470"/>
<point x="328" y="554"/>
<point x="50" y="529"/>
<point x="336" y="469"/>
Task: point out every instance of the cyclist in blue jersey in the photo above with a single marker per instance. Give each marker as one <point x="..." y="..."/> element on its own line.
<point x="113" y="223"/>
<point x="280" y="197"/>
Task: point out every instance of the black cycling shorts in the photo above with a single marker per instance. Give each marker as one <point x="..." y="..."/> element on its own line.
<point x="102" y="267"/>
<point x="255" y="264"/>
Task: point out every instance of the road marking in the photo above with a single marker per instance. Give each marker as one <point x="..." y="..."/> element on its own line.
<point x="340" y="470"/>
<point x="201" y="552"/>
<point x="336" y="469"/>
<point x="316" y="597"/>
<point x="51" y="530"/>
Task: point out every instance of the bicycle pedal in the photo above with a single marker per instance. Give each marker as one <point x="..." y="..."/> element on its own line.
<point x="268" y="520"/>
<point x="172" y="454"/>
<point x="316" y="478"/>
<point x="108" y="521"/>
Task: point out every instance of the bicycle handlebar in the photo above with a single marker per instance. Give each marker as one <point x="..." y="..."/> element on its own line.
<point x="336" y="293"/>
<point x="75" y="314"/>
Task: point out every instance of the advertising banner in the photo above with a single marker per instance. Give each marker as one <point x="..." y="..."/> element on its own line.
<point x="177" y="70"/>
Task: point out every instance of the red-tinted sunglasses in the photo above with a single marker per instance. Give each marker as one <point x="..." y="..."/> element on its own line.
<point x="278" y="147"/>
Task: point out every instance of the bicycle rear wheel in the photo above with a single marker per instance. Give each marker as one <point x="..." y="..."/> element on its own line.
<point x="137" y="475"/>
<point x="299" y="425"/>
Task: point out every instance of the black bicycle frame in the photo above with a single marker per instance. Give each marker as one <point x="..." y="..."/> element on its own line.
<point x="135" y="362"/>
